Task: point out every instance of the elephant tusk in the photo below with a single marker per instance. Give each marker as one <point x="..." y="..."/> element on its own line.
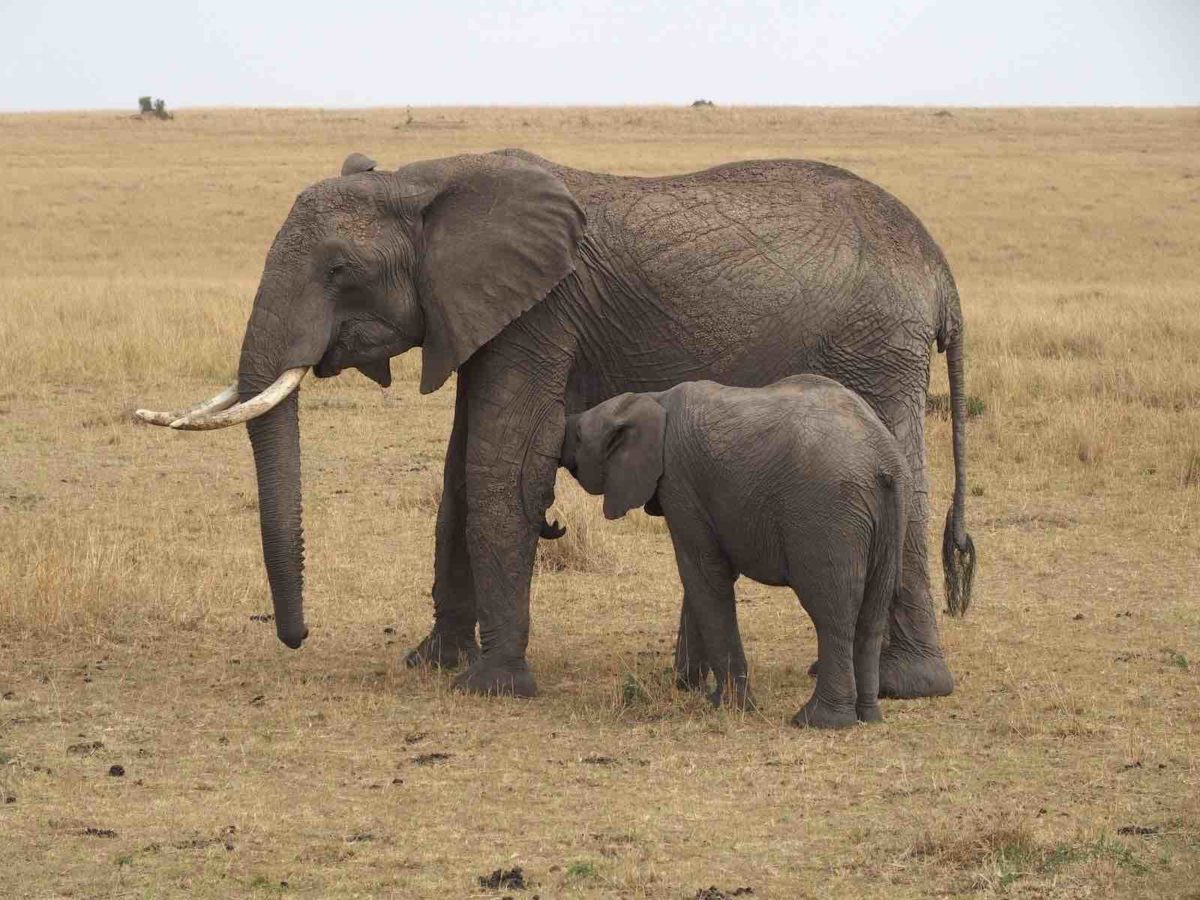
<point x="251" y="409"/>
<point x="216" y="403"/>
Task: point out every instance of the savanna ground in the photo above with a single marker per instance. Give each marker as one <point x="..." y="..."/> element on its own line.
<point x="1066" y="764"/>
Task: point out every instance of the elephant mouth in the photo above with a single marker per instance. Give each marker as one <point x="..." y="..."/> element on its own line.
<point x="326" y="368"/>
<point x="365" y="344"/>
<point x="377" y="367"/>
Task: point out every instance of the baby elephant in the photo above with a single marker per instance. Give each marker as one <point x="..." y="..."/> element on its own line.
<point x="797" y="483"/>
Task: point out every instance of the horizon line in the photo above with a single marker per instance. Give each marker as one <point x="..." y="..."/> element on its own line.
<point x="132" y="111"/>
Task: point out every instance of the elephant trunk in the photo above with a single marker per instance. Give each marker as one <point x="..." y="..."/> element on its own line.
<point x="275" y="437"/>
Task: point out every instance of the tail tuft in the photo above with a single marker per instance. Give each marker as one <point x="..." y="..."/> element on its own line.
<point x="958" y="564"/>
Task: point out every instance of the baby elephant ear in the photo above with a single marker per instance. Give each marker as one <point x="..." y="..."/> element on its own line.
<point x="634" y="462"/>
<point x="358" y="162"/>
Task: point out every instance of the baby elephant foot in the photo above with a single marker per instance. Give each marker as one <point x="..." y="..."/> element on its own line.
<point x="444" y="649"/>
<point x="497" y="679"/>
<point x="818" y="714"/>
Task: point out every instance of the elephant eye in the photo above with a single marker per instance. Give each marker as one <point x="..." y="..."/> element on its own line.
<point x="337" y="272"/>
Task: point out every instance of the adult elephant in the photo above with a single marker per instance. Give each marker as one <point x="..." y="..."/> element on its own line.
<point x="551" y="289"/>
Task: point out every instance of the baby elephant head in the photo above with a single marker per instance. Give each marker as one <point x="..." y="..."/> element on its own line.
<point x="616" y="449"/>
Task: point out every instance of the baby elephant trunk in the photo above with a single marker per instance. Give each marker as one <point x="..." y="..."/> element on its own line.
<point x="552" y="531"/>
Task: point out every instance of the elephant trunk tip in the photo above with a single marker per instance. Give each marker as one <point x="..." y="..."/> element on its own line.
<point x="293" y="636"/>
<point x="552" y="531"/>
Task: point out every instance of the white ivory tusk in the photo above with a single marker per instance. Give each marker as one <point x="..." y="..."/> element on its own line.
<point x="216" y="403"/>
<point x="251" y="409"/>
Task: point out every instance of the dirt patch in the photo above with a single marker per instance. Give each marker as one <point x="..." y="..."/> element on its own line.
<point x="594" y="759"/>
<point x="504" y="878"/>
<point x="1138" y="829"/>
<point x="429" y="759"/>
<point x="1031" y="521"/>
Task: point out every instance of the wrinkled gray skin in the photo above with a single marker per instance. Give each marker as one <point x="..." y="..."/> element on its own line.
<point x="797" y="484"/>
<point x="550" y="290"/>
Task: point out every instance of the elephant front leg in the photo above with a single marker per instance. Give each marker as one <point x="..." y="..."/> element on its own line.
<point x="515" y="435"/>
<point x="912" y="663"/>
<point x="452" y="640"/>
<point x="710" y="603"/>
<point x="502" y="543"/>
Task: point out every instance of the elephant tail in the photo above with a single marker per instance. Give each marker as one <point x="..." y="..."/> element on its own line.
<point x="885" y="571"/>
<point x="958" y="550"/>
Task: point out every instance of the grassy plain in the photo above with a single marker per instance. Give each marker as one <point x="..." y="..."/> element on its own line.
<point x="130" y="571"/>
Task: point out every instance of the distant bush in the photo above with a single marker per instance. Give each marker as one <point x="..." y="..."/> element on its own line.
<point x="702" y="102"/>
<point x="156" y="108"/>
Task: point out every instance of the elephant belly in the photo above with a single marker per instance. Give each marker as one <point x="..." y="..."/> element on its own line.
<point x="766" y="566"/>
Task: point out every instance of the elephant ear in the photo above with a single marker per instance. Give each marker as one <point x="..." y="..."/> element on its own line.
<point x="499" y="234"/>
<point x="358" y="162"/>
<point x="633" y="462"/>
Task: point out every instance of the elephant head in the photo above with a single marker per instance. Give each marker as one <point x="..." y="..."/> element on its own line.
<point x="441" y="255"/>
<point x="616" y="449"/>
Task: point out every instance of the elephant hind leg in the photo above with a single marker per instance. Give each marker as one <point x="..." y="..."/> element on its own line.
<point x="912" y="663"/>
<point x="868" y="644"/>
<point x="832" y="597"/>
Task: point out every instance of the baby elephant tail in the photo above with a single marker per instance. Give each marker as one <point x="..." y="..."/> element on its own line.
<point x="886" y="568"/>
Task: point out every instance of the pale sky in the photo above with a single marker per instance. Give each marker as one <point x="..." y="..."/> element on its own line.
<point x="76" y="55"/>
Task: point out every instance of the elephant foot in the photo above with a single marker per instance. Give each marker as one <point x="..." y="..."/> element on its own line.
<point x="692" y="677"/>
<point x="818" y="714"/>
<point x="868" y="713"/>
<point x="444" y="650"/>
<point x="497" y="679"/>
<point x="734" y="693"/>
<point x="907" y="676"/>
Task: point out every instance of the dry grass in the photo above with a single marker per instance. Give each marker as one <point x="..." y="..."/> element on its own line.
<point x="129" y="569"/>
<point x="590" y="544"/>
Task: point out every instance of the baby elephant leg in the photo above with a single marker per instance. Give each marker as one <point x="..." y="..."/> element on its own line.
<point x="833" y="603"/>
<point x="691" y="661"/>
<point x="708" y="588"/>
<point x="868" y="643"/>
